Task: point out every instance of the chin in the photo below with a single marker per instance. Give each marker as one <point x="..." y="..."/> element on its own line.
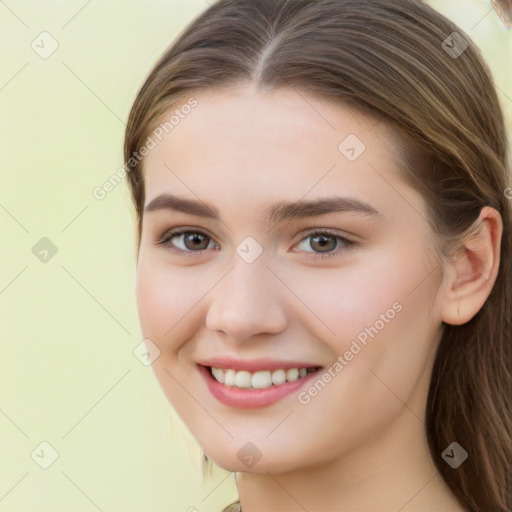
<point x="238" y="459"/>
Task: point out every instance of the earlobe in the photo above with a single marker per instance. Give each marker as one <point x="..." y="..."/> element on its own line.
<point x="471" y="273"/>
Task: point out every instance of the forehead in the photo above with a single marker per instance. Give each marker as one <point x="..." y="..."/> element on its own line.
<point x="243" y="142"/>
<point x="244" y="116"/>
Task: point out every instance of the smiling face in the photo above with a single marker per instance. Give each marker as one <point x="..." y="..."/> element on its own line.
<point x="303" y="248"/>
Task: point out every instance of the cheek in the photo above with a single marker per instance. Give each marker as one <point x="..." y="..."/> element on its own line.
<point x="167" y="297"/>
<point x="169" y="307"/>
<point x="341" y="302"/>
<point x="376" y="314"/>
<point x="383" y="333"/>
<point x="384" y="323"/>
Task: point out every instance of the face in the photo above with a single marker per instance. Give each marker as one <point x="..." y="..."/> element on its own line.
<point x="291" y="241"/>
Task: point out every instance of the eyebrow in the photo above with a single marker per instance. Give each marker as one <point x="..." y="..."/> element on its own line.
<point x="274" y="214"/>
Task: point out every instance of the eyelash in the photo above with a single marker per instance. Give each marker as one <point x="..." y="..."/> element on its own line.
<point x="347" y="245"/>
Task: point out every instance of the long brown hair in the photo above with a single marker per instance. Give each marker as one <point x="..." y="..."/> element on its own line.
<point x="399" y="61"/>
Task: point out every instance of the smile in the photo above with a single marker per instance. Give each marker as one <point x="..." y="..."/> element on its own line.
<point x="244" y="389"/>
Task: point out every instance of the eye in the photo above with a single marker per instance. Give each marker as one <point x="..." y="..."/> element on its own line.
<point x="320" y="244"/>
<point x="324" y="244"/>
<point x="187" y="241"/>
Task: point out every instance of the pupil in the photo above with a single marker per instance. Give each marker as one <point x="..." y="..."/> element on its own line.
<point x="195" y="239"/>
<point x="326" y="243"/>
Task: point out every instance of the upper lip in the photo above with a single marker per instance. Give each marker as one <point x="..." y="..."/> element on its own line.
<point x="253" y="365"/>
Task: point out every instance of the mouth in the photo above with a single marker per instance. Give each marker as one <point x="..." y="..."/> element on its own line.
<point x="246" y="389"/>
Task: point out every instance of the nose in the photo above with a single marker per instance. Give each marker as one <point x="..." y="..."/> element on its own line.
<point x="247" y="302"/>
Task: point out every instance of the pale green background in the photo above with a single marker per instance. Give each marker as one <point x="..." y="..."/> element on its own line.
<point x="69" y="326"/>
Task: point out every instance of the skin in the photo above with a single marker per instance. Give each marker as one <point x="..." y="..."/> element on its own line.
<point x="359" y="445"/>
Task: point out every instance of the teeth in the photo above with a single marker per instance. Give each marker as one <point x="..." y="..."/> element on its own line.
<point x="259" y="380"/>
<point x="229" y="376"/>
<point x="243" y="379"/>
<point x="292" y="374"/>
<point x="218" y="374"/>
<point x="278" y="377"/>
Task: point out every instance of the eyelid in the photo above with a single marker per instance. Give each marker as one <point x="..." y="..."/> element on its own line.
<point x="327" y="231"/>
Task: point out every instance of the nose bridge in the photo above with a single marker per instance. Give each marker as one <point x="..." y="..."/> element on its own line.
<point x="247" y="301"/>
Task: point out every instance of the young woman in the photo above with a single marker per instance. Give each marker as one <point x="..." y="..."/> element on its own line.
<point x="324" y="223"/>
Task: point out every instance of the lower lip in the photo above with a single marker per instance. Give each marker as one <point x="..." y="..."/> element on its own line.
<point x="249" y="398"/>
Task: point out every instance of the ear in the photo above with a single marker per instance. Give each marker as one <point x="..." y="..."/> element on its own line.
<point x="471" y="273"/>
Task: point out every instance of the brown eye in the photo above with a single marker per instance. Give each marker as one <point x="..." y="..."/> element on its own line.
<point x="322" y="243"/>
<point x="195" y="241"/>
<point x="187" y="241"/>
